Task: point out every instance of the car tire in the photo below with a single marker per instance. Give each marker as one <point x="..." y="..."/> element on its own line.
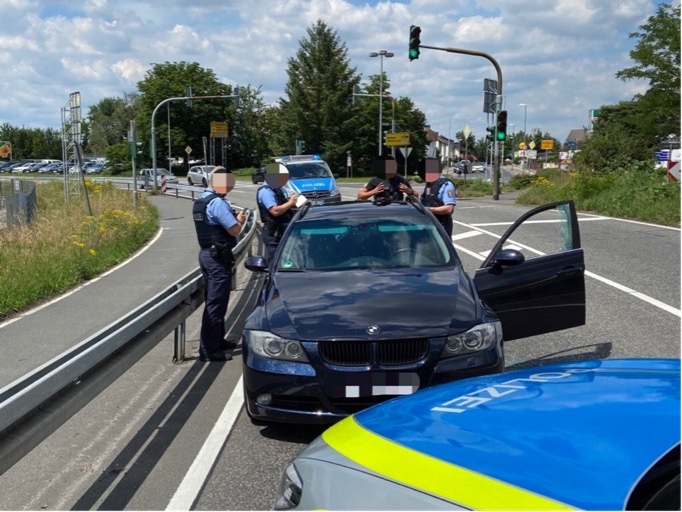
<point x="203" y="182"/>
<point x="254" y="180"/>
<point x="189" y="180"/>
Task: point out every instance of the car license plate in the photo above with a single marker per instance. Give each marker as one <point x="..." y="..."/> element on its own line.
<point x="356" y="385"/>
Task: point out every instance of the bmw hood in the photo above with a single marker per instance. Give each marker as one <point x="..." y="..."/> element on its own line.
<point x="344" y="304"/>
<point x="576" y="435"/>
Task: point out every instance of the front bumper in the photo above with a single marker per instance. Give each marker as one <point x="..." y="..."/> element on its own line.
<point x="320" y="393"/>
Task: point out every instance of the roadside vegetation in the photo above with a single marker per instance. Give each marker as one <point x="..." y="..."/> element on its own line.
<point x="63" y="245"/>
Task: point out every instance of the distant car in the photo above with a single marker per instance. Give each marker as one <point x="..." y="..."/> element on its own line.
<point x="95" y="168"/>
<point x="198" y="175"/>
<point x="477" y="166"/>
<point x="363" y="302"/>
<point x="22" y="167"/>
<point x="258" y="176"/>
<point x="148" y="176"/>
<point x="585" y="435"/>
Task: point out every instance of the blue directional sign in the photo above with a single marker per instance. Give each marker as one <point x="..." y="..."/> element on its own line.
<point x="571" y="144"/>
<point x="663" y="155"/>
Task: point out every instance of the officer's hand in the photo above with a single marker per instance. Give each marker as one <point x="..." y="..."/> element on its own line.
<point x="241" y="217"/>
<point x="293" y="198"/>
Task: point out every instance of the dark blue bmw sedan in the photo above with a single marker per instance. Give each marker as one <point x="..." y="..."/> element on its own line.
<point x="365" y="302"/>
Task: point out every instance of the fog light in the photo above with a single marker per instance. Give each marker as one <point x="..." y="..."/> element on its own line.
<point x="264" y="399"/>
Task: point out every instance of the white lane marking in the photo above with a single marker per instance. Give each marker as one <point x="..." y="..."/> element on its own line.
<point x="87" y="283"/>
<point x="196" y="476"/>
<point x="646" y="298"/>
<point x="467" y="234"/>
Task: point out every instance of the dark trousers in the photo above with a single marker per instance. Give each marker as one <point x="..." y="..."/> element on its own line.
<point x="217" y="283"/>
<point x="270" y="242"/>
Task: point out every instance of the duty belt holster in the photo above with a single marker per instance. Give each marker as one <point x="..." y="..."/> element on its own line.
<point x="221" y="252"/>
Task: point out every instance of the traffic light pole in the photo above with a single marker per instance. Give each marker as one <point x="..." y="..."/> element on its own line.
<point x="498" y="106"/>
<point x="181" y="98"/>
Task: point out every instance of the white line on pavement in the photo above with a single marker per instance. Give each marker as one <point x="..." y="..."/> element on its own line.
<point x="196" y="476"/>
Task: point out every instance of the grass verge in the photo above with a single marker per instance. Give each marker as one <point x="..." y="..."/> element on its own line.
<point x="64" y="245"/>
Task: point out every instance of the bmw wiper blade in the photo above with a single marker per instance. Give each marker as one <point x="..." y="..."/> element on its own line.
<point x="292" y="270"/>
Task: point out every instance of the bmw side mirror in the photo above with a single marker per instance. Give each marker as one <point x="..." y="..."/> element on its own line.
<point x="336" y="176"/>
<point x="509" y="258"/>
<point x="256" y="263"/>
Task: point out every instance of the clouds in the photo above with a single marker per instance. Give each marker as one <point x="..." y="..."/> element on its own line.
<point x="557" y="56"/>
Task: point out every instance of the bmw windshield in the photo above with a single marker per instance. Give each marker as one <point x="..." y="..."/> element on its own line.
<point x="365" y="242"/>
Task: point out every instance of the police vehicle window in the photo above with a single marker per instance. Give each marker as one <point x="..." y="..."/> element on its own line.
<point x="307" y="170"/>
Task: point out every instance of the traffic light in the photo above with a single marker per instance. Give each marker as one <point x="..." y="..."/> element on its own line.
<point x="235" y="93"/>
<point x="415" y="31"/>
<point x="491" y="133"/>
<point x="502" y="125"/>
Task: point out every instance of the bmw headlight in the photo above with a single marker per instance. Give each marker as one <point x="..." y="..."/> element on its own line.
<point x="477" y="338"/>
<point x="290" y="489"/>
<point x="270" y="345"/>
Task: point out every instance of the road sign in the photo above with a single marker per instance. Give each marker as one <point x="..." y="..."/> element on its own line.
<point x="531" y="144"/>
<point x="188" y="150"/>
<point x="218" y="130"/>
<point x="398" y="139"/>
<point x="406" y="152"/>
<point x="547" y="144"/>
<point x="531" y="154"/>
<point x="673" y="171"/>
<point x="467" y="131"/>
<point x="522" y="145"/>
<point x="663" y="155"/>
<point x="571" y="144"/>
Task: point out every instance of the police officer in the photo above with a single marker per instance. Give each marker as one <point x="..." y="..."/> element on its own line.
<point x="275" y="208"/>
<point x="386" y="185"/>
<point x="439" y="193"/>
<point x="217" y="230"/>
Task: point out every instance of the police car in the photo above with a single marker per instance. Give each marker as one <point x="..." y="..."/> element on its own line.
<point x="310" y="176"/>
<point x="592" y="435"/>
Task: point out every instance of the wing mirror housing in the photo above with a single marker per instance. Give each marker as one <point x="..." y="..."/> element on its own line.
<point x="508" y="258"/>
<point x="256" y="263"/>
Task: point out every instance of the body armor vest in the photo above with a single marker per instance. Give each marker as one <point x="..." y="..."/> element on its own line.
<point x="209" y="234"/>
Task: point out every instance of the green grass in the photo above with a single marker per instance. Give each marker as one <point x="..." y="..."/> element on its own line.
<point x="639" y="193"/>
<point x="64" y="246"/>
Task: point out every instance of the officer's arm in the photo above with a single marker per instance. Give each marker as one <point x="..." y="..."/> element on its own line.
<point x="446" y="209"/>
<point x="279" y="209"/>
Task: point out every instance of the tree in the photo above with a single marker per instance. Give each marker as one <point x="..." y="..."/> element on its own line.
<point x="190" y="122"/>
<point x="109" y="121"/>
<point x="317" y="108"/>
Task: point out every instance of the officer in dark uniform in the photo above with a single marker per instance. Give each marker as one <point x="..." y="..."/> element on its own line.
<point x="275" y="208"/>
<point x="386" y="185"/>
<point x="217" y="230"/>
<point x="439" y="194"/>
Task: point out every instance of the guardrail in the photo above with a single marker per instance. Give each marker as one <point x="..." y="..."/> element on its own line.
<point x="34" y="406"/>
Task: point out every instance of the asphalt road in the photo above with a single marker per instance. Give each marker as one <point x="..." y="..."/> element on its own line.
<point x="174" y="436"/>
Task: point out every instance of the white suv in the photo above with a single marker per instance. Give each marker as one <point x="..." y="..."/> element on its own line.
<point x="198" y="175"/>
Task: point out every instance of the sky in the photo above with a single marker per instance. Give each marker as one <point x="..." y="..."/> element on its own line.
<point x="559" y="58"/>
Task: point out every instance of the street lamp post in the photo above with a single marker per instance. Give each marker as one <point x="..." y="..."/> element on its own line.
<point x="381" y="54"/>
<point x="525" y="146"/>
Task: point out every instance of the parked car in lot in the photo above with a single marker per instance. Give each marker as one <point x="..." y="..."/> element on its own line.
<point x="363" y="302"/>
<point x="198" y="175"/>
<point x="22" y="167"/>
<point x="586" y="435"/>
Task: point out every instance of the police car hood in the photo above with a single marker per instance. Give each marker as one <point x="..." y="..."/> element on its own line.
<point x="343" y="304"/>
<point x="303" y="185"/>
<point x="575" y="435"/>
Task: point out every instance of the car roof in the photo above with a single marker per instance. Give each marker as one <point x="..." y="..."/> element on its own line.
<point x="342" y="209"/>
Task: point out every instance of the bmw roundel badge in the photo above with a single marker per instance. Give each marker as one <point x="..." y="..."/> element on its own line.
<point x="373" y="329"/>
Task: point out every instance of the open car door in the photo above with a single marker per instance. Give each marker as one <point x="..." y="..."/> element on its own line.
<point x="535" y="282"/>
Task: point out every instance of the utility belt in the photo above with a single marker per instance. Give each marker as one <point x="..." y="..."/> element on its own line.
<point x="275" y="229"/>
<point x="221" y="252"/>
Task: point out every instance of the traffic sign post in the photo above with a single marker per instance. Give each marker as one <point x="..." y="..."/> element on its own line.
<point x="398" y="139"/>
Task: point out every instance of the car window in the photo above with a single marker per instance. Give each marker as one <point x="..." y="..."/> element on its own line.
<point x="308" y="170"/>
<point x="551" y="230"/>
<point x="364" y="243"/>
